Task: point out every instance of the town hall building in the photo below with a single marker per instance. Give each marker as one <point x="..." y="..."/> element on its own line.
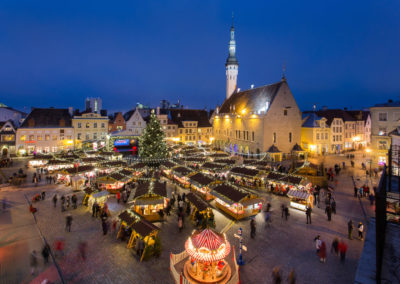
<point x="260" y="120"/>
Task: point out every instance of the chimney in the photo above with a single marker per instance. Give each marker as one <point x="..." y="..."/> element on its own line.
<point x="71" y="111"/>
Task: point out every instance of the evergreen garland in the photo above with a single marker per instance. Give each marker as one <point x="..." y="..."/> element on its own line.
<point x="152" y="142"/>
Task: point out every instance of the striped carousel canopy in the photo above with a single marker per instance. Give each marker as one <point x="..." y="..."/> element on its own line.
<point x="207" y="246"/>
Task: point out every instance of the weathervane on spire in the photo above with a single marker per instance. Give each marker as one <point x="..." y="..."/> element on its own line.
<point x="232" y="19"/>
<point x="284" y="72"/>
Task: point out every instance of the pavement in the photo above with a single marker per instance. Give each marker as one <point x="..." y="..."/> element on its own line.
<point x="288" y="244"/>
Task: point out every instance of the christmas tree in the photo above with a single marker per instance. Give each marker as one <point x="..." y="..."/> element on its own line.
<point x="152" y="146"/>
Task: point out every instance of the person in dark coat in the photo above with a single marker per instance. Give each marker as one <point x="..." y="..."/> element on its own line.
<point x="333" y="206"/>
<point x="104" y="226"/>
<point x="286" y="213"/>
<point x="252" y="228"/>
<point x="328" y="211"/>
<point x="55" y="200"/>
<point x="308" y="214"/>
<point x="46" y="253"/>
<point x="74" y="200"/>
<point x="350" y="228"/>
<point x="335" y="246"/>
<point x="94" y="208"/>
<point x="68" y="223"/>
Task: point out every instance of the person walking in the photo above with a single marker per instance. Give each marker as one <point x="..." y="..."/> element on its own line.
<point x="342" y="250"/>
<point x="308" y="214"/>
<point x="118" y="196"/>
<point x="94" y="207"/>
<point x="43" y="195"/>
<point x="335" y="246"/>
<point x="180" y="223"/>
<point x="33" y="261"/>
<point x="68" y="223"/>
<point x="4" y="204"/>
<point x="276" y="275"/>
<point x="82" y="249"/>
<point x="104" y="226"/>
<point x="268" y="218"/>
<point x="292" y="277"/>
<point x="328" y="211"/>
<point x="350" y="227"/>
<point x="360" y="231"/>
<point x="74" y="201"/>
<point x="286" y="212"/>
<point x="317" y="241"/>
<point x="62" y="203"/>
<point x="46" y="253"/>
<point x="252" y="228"/>
<point x="322" y="252"/>
<point x="68" y="201"/>
<point x="283" y="210"/>
<point x="55" y="200"/>
<point x="355" y="191"/>
<point x="333" y="206"/>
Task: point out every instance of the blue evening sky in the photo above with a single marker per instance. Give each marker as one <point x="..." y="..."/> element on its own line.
<point x="57" y="52"/>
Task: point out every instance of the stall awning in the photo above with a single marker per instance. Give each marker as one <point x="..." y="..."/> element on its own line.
<point x="100" y="194"/>
<point x="199" y="203"/>
<point x="149" y="201"/>
<point x="252" y="201"/>
<point x="222" y="197"/>
<point x="300" y="194"/>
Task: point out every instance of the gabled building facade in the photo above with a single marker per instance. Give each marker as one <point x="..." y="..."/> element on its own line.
<point x="7" y="138"/>
<point x="315" y="134"/>
<point x="45" y="130"/>
<point x="116" y="123"/>
<point x="90" y="130"/>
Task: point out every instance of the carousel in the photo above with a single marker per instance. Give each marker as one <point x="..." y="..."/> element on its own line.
<point x="207" y="251"/>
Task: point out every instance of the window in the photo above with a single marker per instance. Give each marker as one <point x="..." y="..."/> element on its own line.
<point x="47" y="137"/>
<point x="239" y="133"/>
<point x="79" y="136"/>
<point x="180" y="131"/>
<point x="94" y="136"/>
<point x="382" y="131"/>
<point x="285" y="112"/>
<point x="54" y="137"/>
<point x="382" y="116"/>
<point x="31" y="137"/>
<point x="95" y="125"/>
<point x="244" y="135"/>
<point x="334" y="136"/>
<point x="382" y="145"/>
<point x="290" y="137"/>
<point x="87" y="136"/>
<point x="79" y="125"/>
<point x="103" y="125"/>
<point x="87" y="125"/>
<point x="317" y="136"/>
<point x="23" y="137"/>
<point x="133" y="123"/>
<point x="274" y="137"/>
<point x="252" y="136"/>
<point x="326" y="136"/>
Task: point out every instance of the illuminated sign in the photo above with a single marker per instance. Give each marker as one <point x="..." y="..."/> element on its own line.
<point x="30" y="142"/>
<point x="122" y="142"/>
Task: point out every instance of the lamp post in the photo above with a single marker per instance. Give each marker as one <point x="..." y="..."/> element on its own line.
<point x="240" y="260"/>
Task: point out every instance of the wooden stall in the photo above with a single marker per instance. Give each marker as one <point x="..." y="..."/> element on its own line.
<point x="100" y="197"/>
<point x="216" y="170"/>
<point x="113" y="182"/>
<point x="280" y="183"/>
<point x="201" y="184"/>
<point x="65" y="175"/>
<point x="300" y="199"/>
<point x="166" y="168"/>
<point x="201" y="214"/>
<point x="246" y="177"/>
<point x="236" y="202"/>
<point x="138" y="170"/>
<point x="150" y="198"/>
<point x="58" y="164"/>
<point x="39" y="160"/>
<point x="180" y="174"/>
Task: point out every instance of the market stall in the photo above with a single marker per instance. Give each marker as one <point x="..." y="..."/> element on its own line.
<point x="111" y="166"/>
<point x="166" y="168"/>
<point x="150" y="198"/>
<point x="236" y="202"/>
<point x="113" y="182"/>
<point x="201" y="183"/>
<point x="246" y="177"/>
<point x="39" y="160"/>
<point x="194" y="162"/>
<point x="180" y="174"/>
<point x="135" y="228"/>
<point x="78" y="182"/>
<point x="58" y="164"/>
<point x="280" y="183"/>
<point x="100" y="197"/>
<point x="216" y="170"/>
<point x="201" y="214"/>
<point x="65" y="175"/>
<point x="138" y="170"/>
<point x="300" y="199"/>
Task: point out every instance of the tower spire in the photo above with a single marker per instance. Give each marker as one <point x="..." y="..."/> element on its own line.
<point x="284" y="72"/>
<point x="231" y="64"/>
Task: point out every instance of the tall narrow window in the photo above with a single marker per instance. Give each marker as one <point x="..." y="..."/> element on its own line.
<point x="252" y="135"/>
<point x="290" y="137"/>
<point x="285" y="112"/>
<point x="274" y="137"/>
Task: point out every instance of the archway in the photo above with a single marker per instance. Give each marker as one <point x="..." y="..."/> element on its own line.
<point x="4" y="152"/>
